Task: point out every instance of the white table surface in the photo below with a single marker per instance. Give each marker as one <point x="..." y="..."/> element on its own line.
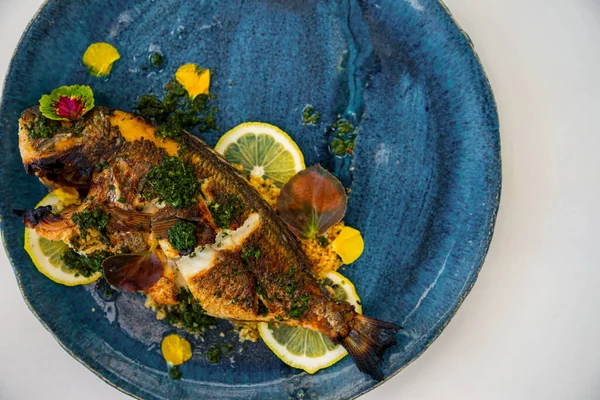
<point x="530" y="329"/>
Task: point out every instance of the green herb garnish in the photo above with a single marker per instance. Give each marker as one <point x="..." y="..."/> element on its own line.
<point x="323" y="241"/>
<point x="182" y="236"/>
<point x="177" y="112"/>
<point x="310" y="116"/>
<point x="214" y="353"/>
<point x="248" y="253"/>
<point x="84" y="265"/>
<point x="188" y="314"/>
<point x="174" y="373"/>
<point x="102" y="165"/>
<point x="226" y="209"/>
<point x="156" y="59"/>
<point x="343" y="138"/>
<point x="91" y="219"/>
<point x="67" y="103"/>
<point x="299" y="307"/>
<point x="173" y="181"/>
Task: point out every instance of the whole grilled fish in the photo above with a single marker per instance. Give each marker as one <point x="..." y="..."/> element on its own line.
<point x="247" y="265"/>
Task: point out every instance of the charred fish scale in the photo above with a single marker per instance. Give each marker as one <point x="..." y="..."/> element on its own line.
<point x="225" y="285"/>
<point x="247" y="264"/>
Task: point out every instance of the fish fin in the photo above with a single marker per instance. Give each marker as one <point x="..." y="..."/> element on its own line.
<point x="161" y="226"/>
<point x="367" y="341"/>
<point x="34" y="217"/>
<point x="127" y="220"/>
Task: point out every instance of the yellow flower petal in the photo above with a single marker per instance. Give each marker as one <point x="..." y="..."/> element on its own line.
<point x="176" y="350"/>
<point x="194" y="79"/>
<point x="349" y="245"/>
<point x="100" y="57"/>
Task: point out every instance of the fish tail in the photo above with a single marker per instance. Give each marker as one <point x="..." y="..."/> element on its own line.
<point x="368" y="339"/>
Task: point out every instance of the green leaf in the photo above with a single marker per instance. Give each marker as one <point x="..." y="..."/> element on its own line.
<point x="312" y="201"/>
<point x="67" y="103"/>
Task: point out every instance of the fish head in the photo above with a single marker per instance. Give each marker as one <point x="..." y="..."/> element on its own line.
<point x="63" y="153"/>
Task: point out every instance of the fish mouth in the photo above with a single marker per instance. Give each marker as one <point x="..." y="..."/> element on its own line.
<point x="55" y="172"/>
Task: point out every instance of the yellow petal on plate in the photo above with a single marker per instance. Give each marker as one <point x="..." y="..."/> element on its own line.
<point x="100" y="57"/>
<point x="194" y="79"/>
<point x="176" y="350"/>
<point x="349" y="245"/>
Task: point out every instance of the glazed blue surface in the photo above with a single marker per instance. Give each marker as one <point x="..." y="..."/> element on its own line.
<point x="425" y="179"/>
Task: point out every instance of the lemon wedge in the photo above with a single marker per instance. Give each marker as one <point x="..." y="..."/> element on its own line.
<point x="262" y="150"/>
<point x="47" y="254"/>
<point x="305" y="349"/>
<point x="349" y="245"/>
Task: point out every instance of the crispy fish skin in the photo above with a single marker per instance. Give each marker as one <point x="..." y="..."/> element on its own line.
<point x="275" y="285"/>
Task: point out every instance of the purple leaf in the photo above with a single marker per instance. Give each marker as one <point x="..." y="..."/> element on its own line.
<point x="312" y="201"/>
<point x="133" y="272"/>
<point x="67" y="103"/>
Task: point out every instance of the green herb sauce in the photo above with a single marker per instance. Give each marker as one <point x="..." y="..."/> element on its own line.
<point x="343" y="138"/>
<point x="188" y="314"/>
<point x="91" y="219"/>
<point x="310" y="116"/>
<point x="178" y="112"/>
<point x="173" y="181"/>
<point x="84" y="265"/>
<point x="45" y="128"/>
<point x="156" y="59"/>
<point x="214" y="353"/>
<point x="323" y="241"/>
<point x="174" y="373"/>
<point x="226" y="209"/>
<point x="299" y="307"/>
<point x="248" y="253"/>
<point x="182" y="236"/>
<point x="42" y="128"/>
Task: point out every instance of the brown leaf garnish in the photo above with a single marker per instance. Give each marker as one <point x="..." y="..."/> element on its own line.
<point x="133" y="272"/>
<point x="312" y="201"/>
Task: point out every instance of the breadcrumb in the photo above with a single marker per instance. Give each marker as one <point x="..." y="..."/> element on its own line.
<point x="267" y="189"/>
<point x="160" y="311"/>
<point x="324" y="259"/>
<point x="248" y="331"/>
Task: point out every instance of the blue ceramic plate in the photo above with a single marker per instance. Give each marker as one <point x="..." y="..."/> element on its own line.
<point x="425" y="178"/>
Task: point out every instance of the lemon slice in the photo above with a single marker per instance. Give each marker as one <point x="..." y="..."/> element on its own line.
<point x="46" y="254"/>
<point x="262" y="150"/>
<point x="305" y="349"/>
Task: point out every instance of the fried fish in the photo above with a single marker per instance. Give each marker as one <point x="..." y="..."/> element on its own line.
<point x="245" y="264"/>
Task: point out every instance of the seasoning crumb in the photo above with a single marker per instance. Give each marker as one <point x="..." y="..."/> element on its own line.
<point x="248" y="331"/>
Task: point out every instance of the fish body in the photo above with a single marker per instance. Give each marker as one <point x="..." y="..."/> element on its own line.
<point x="247" y="265"/>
